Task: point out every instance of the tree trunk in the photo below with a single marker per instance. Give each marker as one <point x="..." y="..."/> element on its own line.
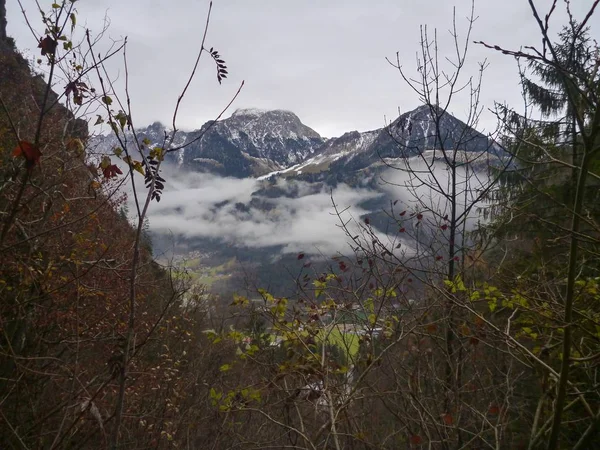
<point x="2" y="19"/>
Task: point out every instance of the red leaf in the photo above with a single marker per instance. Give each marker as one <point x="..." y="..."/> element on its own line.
<point x="447" y="418"/>
<point x="29" y="151"/>
<point x="402" y="230"/>
<point x="71" y="87"/>
<point x="437" y="258"/>
<point x="494" y="410"/>
<point x="48" y="45"/>
<point x="416" y="439"/>
<point x="300" y="255"/>
<point x="444" y="227"/>
<point x="111" y="171"/>
<point x="419" y="216"/>
<point x="402" y="213"/>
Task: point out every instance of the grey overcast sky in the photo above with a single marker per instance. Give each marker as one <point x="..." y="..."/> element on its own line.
<point x="322" y="59"/>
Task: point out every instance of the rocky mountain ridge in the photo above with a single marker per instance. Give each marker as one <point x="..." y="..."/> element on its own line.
<point x="250" y="142"/>
<point x="267" y="143"/>
<point x="423" y="129"/>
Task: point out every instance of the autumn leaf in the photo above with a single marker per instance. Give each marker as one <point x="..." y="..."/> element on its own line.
<point x="419" y="216"/>
<point x="494" y="410"/>
<point x="78" y="89"/>
<point x="444" y="227"/>
<point x="48" y="45"/>
<point x="300" y="255"/>
<point x="447" y="418"/>
<point x="111" y="171"/>
<point x="402" y="230"/>
<point x="416" y="439"/>
<point x="464" y="329"/>
<point x="30" y="152"/>
<point x="76" y="146"/>
<point x="137" y="166"/>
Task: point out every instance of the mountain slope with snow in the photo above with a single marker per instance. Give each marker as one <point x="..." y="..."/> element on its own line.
<point x="265" y="144"/>
<point x="414" y="132"/>
<point x="251" y="142"/>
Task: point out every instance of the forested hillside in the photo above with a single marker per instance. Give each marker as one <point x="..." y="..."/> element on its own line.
<point x="464" y="316"/>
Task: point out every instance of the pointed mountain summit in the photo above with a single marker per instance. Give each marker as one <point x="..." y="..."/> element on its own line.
<point x="414" y="132"/>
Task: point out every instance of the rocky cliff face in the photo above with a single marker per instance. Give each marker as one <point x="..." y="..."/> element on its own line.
<point x="24" y="95"/>
<point x="251" y="142"/>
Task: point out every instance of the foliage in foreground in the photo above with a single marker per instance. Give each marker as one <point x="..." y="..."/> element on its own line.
<point x="438" y="337"/>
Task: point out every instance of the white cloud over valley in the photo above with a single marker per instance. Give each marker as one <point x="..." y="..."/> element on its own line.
<point x="198" y="205"/>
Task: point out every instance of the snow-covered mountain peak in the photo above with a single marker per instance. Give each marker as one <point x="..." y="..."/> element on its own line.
<point x="250" y="142"/>
<point x="249" y="112"/>
<point x="283" y="123"/>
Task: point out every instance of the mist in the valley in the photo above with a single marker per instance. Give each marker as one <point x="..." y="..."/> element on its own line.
<point x="421" y="184"/>
<point x="294" y="216"/>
